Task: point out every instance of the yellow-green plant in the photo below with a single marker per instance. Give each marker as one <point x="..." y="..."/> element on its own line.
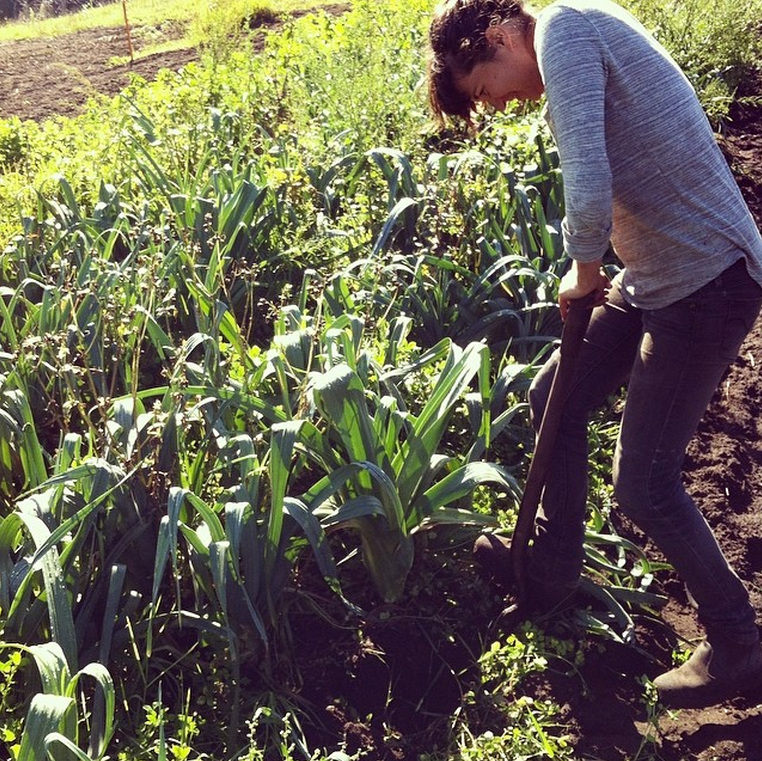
<point x="386" y="472"/>
<point x="58" y="713"/>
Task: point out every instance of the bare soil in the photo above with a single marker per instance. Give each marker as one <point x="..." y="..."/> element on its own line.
<point x="55" y="76"/>
<point x="392" y="692"/>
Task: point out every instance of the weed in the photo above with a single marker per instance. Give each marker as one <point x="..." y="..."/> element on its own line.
<point x="11" y="725"/>
<point x="500" y="720"/>
<point x="649" y="745"/>
<point x="166" y="735"/>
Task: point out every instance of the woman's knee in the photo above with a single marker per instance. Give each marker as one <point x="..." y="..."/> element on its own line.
<point x="539" y="391"/>
<point x="646" y="491"/>
<point x="576" y="408"/>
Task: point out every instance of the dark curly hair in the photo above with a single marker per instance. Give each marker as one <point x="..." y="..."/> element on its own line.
<point x="457" y="43"/>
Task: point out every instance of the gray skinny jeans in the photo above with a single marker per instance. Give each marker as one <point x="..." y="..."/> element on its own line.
<point x="672" y="360"/>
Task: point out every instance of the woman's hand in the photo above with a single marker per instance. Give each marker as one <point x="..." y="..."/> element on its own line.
<point x="581" y="279"/>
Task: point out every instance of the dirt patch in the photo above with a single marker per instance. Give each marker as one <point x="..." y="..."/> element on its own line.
<point x="391" y="690"/>
<point x="48" y="77"/>
<point x="742" y="142"/>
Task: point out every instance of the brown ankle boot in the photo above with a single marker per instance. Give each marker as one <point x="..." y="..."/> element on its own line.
<point x="715" y="672"/>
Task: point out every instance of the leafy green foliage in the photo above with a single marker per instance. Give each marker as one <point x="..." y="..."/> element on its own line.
<point x="13" y="142"/>
<point x="716" y="46"/>
<point x="402" y="481"/>
<point x="504" y="722"/>
<point x="11" y="724"/>
<point x="54" y="718"/>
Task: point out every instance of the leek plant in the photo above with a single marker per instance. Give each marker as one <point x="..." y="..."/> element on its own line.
<point x="494" y="279"/>
<point x="53" y="723"/>
<point x="324" y="403"/>
<point x="394" y="479"/>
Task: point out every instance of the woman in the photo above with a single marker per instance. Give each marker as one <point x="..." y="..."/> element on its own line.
<point x="642" y="171"/>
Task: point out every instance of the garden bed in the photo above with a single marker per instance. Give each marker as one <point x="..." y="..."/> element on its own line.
<point x="392" y="692"/>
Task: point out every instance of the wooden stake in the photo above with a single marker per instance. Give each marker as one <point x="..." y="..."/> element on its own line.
<point x="127" y="30"/>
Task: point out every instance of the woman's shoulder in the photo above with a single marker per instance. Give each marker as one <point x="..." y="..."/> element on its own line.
<point x="588" y="9"/>
<point x="603" y="19"/>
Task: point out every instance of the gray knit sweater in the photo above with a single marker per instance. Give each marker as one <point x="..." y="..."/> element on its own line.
<point x="640" y="163"/>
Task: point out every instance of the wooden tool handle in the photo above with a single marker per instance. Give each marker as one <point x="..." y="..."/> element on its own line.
<point x="572" y="337"/>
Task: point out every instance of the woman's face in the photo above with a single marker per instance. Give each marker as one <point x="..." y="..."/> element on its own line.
<point x="512" y="74"/>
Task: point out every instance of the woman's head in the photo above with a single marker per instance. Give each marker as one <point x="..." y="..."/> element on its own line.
<point x="465" y="34"/>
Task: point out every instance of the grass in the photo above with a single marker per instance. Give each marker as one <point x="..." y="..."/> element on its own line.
<point x="150" y="13"/>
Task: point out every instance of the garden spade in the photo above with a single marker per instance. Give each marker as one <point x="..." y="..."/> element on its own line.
<point x="573" y="333"/>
